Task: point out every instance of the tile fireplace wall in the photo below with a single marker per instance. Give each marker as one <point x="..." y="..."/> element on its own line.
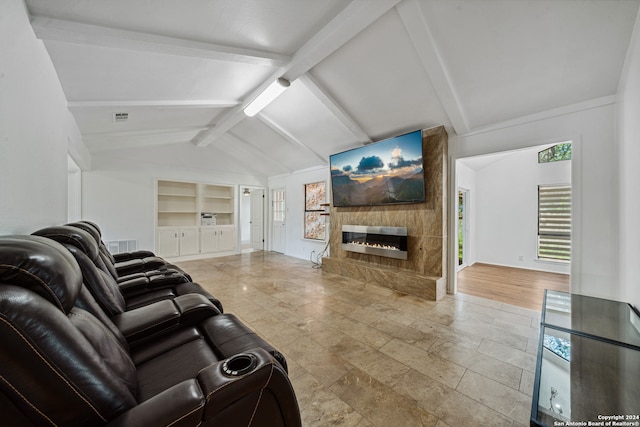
<point x="423" y="273"/>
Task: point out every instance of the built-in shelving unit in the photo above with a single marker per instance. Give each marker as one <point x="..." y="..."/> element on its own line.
<point x="218" y="199"/>
<point x="181" y="207"/>
<point x="177" y="204"/>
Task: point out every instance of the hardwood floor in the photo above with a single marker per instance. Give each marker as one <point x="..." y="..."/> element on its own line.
<point x="524" y="288"/>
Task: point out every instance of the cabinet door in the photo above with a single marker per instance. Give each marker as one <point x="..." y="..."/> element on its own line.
<point x="227" y="236"/>
<point x="189" y="241"/>
<point x="208" y="240"/>
<point x="168" y="242"/>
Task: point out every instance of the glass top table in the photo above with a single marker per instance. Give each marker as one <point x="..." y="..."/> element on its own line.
<point x="588" y="368"/>
<point x="600" y="318"/>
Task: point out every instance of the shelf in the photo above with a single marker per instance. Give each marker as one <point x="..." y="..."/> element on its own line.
<point x="177" y="189"/>
<point x="192" y="196"/>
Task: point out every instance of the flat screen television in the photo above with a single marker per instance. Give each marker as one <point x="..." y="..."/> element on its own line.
<point x="383" y="173"/>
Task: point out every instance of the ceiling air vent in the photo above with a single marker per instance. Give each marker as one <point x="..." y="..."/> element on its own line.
<point x="120" y="117"/>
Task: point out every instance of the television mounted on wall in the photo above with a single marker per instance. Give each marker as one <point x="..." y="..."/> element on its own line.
<point x="387" y="172"/>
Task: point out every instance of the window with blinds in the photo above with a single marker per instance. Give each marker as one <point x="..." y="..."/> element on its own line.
<point x="554" y="222"/>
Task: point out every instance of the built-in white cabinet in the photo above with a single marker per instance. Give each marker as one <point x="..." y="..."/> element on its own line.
<point x="227" y="239"/>
<point x="168" y="242"/>
<point x="174" y="241"/>
<point x="217" y="239"/>
<point x="195" y="218"/>
<point x="189" y="241"/>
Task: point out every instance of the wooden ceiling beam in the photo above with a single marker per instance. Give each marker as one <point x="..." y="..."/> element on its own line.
<point x="59" y="30"/>
<point x="354" y="18"/>
<point x="428" y="52"/>
<point x="335" y="109"/>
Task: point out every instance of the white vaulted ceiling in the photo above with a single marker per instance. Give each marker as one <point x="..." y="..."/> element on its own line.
<point x="361" y="71"/>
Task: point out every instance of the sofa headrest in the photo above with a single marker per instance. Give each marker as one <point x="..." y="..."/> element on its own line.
<point x="74" y="236"/>
<point x="89" y="227"/>
<point x="94" y="225"/>
<point x="42" y="266"/>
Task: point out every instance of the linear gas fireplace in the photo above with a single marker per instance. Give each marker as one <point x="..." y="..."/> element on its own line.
<point x="382" y="241"/>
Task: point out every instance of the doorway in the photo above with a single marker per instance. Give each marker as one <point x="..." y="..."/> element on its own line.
<point x="463" y="227"/>
<point x="257" y="219"/>
<point x="251" y="219"/>
<point x="499" y="232"/>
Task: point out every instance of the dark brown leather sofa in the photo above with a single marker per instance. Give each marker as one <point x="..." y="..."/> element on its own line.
<point x="64" y="362"/>
<point x="122" y="266"/>
<point x="116" y="297"/>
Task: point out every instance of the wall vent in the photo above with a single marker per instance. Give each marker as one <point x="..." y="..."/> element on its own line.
<point x="120" y="117"/>
<point x="120" y="246"/>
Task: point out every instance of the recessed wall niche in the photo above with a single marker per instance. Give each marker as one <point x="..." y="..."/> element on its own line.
<point x="423" y="273"/>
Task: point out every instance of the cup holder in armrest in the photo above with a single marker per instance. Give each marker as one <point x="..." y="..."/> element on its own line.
<point x="239" y="364"/>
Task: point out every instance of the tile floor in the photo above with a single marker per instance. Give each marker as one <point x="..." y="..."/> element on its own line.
<point x="363" y="355"/>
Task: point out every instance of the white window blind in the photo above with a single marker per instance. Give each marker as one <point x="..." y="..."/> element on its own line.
<point x="554" y="222"/>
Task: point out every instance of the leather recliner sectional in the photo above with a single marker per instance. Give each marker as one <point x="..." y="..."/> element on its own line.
<point x="114" y="297"/>
<point x="123" y="266"/>
<point x="64" y="361"/>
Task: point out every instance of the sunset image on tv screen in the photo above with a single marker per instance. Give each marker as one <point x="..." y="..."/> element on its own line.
<point x="386" y="172"/>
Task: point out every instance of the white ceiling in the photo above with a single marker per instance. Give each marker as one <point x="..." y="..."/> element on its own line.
<point x="361" y="71"/>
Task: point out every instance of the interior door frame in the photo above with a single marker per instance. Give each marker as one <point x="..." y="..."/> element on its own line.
<point x="74" y="190"/>
<point x="465" y="227"/>
<point x="260" y="200"/>
<point x="576" y="202"/>
<point x="264" y="214"/>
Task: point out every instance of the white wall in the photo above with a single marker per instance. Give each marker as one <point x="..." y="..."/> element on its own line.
<point x="591" y="127"/>
<point x="119" y="194"/>
<point x="295" y="244"/>
<point x="36" y="130"/>
<point x="629" y="171"/>
<point x="507" y="209"/>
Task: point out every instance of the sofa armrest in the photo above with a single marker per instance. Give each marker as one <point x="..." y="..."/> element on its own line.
<point x="129" y="266"/>
<point x="139" y="282"/>
<point x="247" y="385"/>
<point x="163" y="316"/>
<point x="181" y="405"/>
<point x="126" y="277"/>
<point x="166" y="279"/>
<point x="148" y="320"/>
<point x="194" y="308"/>
<point x="221" y="390"/>
<point x="139" y="265"/>
<point x="133" y="286"/>
<point x="125" y="256"/>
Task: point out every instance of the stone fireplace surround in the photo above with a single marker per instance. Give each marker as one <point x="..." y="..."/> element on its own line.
<point x="423" y="273"/>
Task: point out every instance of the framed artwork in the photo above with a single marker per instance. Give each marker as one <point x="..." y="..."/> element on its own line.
<point x="315" y="195"/>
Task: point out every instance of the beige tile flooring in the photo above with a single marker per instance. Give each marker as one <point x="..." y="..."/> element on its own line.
<point x="363" y="355"/>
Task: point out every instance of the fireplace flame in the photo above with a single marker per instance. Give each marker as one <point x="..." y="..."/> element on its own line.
<point x="373" y="245"/>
